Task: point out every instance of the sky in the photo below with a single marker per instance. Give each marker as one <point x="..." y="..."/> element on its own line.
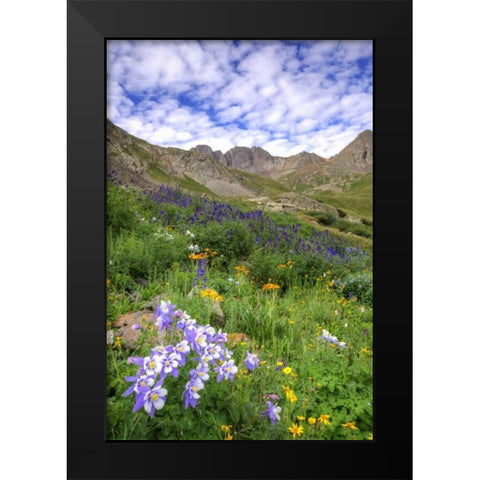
<point x="284" y="96"/>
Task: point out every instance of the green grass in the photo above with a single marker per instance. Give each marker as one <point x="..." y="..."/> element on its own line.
<point x="282" y="326"/>
<point x="356" y="199"/>
<point x="185" y="182"/>
<point x="262" y="185"/>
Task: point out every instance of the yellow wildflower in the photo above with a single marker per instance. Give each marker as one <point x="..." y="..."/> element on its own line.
<point x="350" y="425"/>
<point x="229" y="437"/>
<point x="312" y="420"/>
<point x="287" y="370"/>
<point x="226" y="428"/>
<point x="323" y="418"/>
<point x="270" y="286"/>
<point x="198" y="256"/>
<point x="295" y="430"/>
<point x="300" y="418"/>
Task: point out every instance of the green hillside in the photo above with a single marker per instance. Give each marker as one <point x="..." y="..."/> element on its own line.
<point x="356" y="199"/>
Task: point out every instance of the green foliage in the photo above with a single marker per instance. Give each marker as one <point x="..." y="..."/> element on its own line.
<point x="232" y="240"/>
<point x="359" y="285"/>
<point x="282" y="326"/>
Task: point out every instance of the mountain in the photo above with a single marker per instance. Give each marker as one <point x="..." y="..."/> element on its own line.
<point x="133" y="160"/>
<point x="357" y="156"/>
<point x="260" y="162"/>
<point x="241" y="171"/>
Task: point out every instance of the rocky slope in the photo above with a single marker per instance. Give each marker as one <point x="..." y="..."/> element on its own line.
<point x="136" y="161"/>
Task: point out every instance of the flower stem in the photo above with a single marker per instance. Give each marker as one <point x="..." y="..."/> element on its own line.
<point x="135" y="424"/>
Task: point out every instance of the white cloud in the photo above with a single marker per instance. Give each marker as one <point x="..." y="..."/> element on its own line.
<point x="283" y="97"/>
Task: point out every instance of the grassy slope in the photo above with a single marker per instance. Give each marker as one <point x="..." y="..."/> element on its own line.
<point x="356" y="199"/>
<point x="262" y="185"/>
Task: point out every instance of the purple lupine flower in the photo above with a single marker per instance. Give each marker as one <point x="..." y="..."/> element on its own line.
<point x="201" y="269"/>
<point x="226" y="370"/>
<point x="272" y="412"/>
<point x="190" y="394"/>
<point x="251" y="361"/>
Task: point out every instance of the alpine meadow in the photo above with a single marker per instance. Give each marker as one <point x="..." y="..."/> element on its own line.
<point x="239" y="240"/>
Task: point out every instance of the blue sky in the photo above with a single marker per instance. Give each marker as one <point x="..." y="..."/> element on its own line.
<point x="283" y="96"/>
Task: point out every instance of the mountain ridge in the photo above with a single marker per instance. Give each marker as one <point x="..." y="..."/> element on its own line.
<point x="134" y="160"/>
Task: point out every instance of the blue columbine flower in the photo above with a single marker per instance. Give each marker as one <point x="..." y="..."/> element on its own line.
<point x="190" y="394"/>
<point x="272" y="412"/>
<point x="168" y="365"/>
<point x="152" y="400"/>
<point x="251" y="361"/>
<point x="141" y="384"/>
<point x="164" y="314"/>
<point x="226" y="370"/>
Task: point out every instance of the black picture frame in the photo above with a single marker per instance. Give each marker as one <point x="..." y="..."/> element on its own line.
<point x="89" y="24"/>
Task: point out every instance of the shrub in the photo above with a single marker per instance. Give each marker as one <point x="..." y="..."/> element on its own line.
<point x="359" y="285"/>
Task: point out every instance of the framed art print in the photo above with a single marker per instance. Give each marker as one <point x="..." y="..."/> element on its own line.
<point x="239" y="239"/>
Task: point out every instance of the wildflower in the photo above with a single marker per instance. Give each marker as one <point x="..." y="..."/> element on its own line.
<point x="350" y="425"/>
<point x="311" y="420"/>
<point x="251" y="361"/>
<point x="140" y="385"/>
<point x="200" y="372"/>
<point x="190" y="394"/>
<point x="242" y="269"/>
<point x="366" y="351"/>
<point x="270" y="286"/>
<point x="200" y="274"/>
<point x="300" y="418"/>
<point x="295" y="430"/>
<point x="108" y="282"/>
<point x="272" y="412"/>
<point x="293" y="398"/>
<point x="163" y="315"/>
<point x="198" y="256"/>
<point x="291" y="322"/>
<point x="168" y="364"/>
<point x="226" y="428"/>
<point x="229" y="436"/>
<point x="272" y="396"/>
<point x="370" y="436"/>
<point x="212" y="294"/>
<point x="152" y="400"/>
<point x="287" y="370"/>
<point x="323" y="418"/>
<point x="226" y="370"/>
<point x="280" y="363"/>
